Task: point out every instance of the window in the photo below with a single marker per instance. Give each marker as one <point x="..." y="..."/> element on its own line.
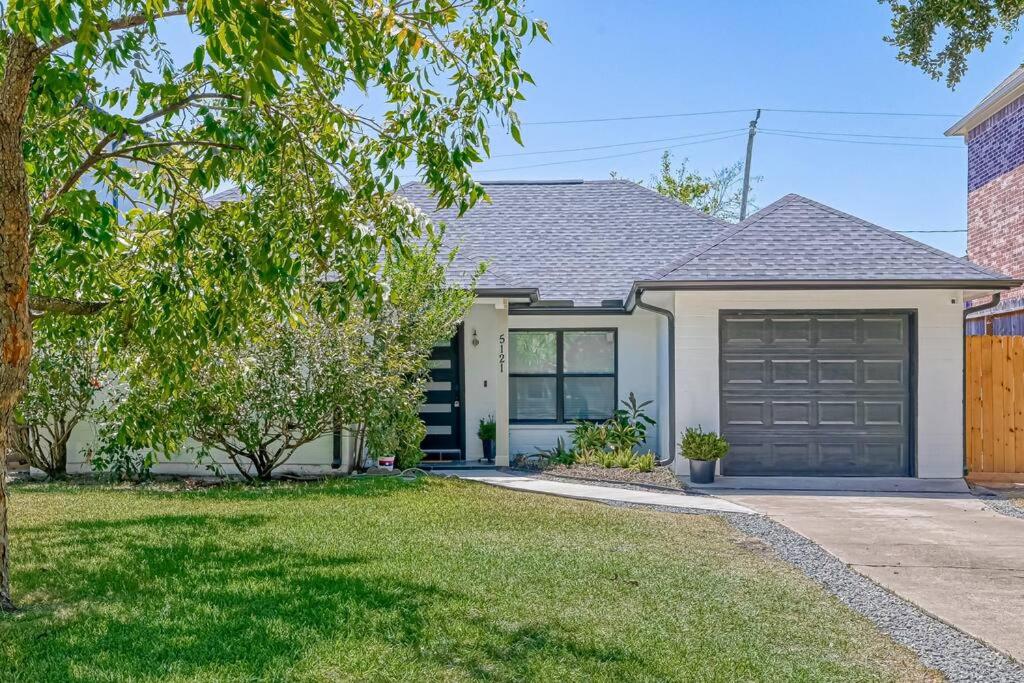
<point x="561" y="375"/>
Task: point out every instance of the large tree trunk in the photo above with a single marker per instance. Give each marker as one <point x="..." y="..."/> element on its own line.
<point x="15" y="324"/>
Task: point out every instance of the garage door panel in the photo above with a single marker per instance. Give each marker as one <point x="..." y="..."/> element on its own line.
<point x="790" y="330"/>
<point x="744" y="371"/>
<point x="888" y="331"/>
<point x="746" y="331"/>
<point x="753" y="412"/>
<point x="816" y="394"/>
<point x="790" y="371"/>
<point x="797" y="458"/>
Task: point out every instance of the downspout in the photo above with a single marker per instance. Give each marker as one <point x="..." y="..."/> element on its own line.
<point x="968" y="311"/>
<point x="671" y="320"/>
<point x="336" y="459"/>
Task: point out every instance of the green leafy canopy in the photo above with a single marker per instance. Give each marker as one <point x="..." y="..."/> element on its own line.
<point x="937" y="36"/>
<point x="311" y="108"/>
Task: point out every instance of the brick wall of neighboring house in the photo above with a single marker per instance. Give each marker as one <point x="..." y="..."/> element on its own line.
<point x="995" y="225"/>
<point x="995" y="199"/>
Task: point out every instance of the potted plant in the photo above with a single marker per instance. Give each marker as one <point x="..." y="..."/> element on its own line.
<point x="703" y="450"/>
<point x="487" y="431"/>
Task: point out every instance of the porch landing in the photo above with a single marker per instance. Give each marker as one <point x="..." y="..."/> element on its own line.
<point x="602" y="494"/>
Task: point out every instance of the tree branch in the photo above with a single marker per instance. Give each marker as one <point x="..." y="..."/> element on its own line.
<point x="167" y="143"/>
<point x="56" y="304"/>
<point x="97" y="153"/>
<point x="119" y="24"/>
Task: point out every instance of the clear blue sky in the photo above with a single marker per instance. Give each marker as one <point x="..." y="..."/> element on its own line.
<point x="609" y="58"/>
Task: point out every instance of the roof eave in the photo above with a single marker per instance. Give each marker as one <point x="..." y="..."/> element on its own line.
<point x="1002" y="95"/>
<point x="530" y="293"/>
<point x="682" y="285"/>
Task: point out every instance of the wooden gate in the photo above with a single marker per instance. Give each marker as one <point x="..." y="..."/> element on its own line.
<point x="995" y="407"/>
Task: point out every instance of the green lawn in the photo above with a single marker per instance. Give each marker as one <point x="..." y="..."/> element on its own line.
<point x="391" y="580"/>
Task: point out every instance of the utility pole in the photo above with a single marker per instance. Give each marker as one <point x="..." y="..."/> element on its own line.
<point x="746" y="168"/>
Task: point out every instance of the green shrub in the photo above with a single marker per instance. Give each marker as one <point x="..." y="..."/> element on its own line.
<point x="700" y="445"/>
<point x="644" y="463"/>
<point x="624" y="458"/>
<point x="488" y="430"/>
<point x="588" y="438"/>
<point x="558" y="454"/>
<point x="627" y="429"/>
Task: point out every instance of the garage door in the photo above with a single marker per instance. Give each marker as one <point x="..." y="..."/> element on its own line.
<point x="816" y="394"/>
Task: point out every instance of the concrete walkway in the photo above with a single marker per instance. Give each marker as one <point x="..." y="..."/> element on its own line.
<point x="949" y="554"/>
<point x="604" y="494"/>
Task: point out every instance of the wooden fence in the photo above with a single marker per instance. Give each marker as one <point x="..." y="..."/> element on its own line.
<point x="995" y="407"/>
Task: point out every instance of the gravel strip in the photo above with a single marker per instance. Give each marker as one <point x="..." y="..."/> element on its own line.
<point x="636" y="486"/>
<point x="660" y="477"/>
<point x="1004" y="507"/>
<point x="958" y="656"/>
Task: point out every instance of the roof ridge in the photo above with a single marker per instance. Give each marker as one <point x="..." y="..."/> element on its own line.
<point x="903" y="238"/>
<point x="728" y="234"/>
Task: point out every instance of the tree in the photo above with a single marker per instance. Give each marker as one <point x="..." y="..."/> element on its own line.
<point x="109" y="145"/>
<point x="423" y="311"/>
<point x="64" y="376"/>
<point x="718" y="194"/>
<point x="292" y="384"/>
<point x="261" y="402"/>
<point x="965" y="26"/>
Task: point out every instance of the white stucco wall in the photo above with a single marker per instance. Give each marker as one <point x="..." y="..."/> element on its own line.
<point x="312" y="458"/>
<point x="638" y="371"/>
<point x="939" y="400"/>
<point x="484" y="381"/>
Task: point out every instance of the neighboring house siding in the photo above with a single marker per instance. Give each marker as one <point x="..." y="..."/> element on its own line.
<point x="995" y="200"/>
<point x="996" y="146"/>
<point x="995" y="222"/>
<point x="939" y="359"/>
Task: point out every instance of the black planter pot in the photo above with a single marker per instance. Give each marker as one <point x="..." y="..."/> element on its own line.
<point x="488" y="449"/>
<point x="702" y="471"/>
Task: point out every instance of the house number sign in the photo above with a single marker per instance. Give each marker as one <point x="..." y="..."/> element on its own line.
<point x="501" y="353"/>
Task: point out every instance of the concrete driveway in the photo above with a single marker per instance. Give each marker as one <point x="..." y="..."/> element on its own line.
<point x="949" y="554"/>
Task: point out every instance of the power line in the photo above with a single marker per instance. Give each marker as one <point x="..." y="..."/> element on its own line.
<point x="828" y="112"/>
<point x="863" y="113"/>
<point x="933" y="231"/>
<point x="562" y="150"/>
<point x="619" y="144"/>
<point x="865" y="142"/>
<point x="610" y="156"/>
<point x="637" y="117"/>
<point x="856" y="135"/>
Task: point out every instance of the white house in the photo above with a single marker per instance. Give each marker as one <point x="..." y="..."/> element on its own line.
<point x="817" y="343"/>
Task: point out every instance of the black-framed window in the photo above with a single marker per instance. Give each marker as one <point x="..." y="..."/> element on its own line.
<point x="562" y="375"/>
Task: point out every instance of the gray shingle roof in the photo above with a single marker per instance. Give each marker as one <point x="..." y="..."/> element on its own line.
<point x="796" y="239"/>
<point x="589" y="241"/>
<point x="582" y="241"/>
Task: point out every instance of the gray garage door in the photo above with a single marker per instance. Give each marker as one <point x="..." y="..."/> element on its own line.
<point x="824" y="394"/>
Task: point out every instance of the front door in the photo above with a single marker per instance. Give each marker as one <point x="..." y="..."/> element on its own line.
<point x="442" y="410"/>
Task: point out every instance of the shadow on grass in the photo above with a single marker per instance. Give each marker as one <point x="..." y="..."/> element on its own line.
<point x="233" y="489"/>
<point x="211" y="596"/>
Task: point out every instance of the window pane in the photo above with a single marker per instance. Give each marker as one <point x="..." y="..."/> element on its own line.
<point x="532" y="353"/>
<point x="589" y="351"/>
<point x="589" y="398"/>
<point x="532" y="398"/>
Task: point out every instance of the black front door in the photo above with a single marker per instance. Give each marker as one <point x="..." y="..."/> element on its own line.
<point x="442" y="410"/>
